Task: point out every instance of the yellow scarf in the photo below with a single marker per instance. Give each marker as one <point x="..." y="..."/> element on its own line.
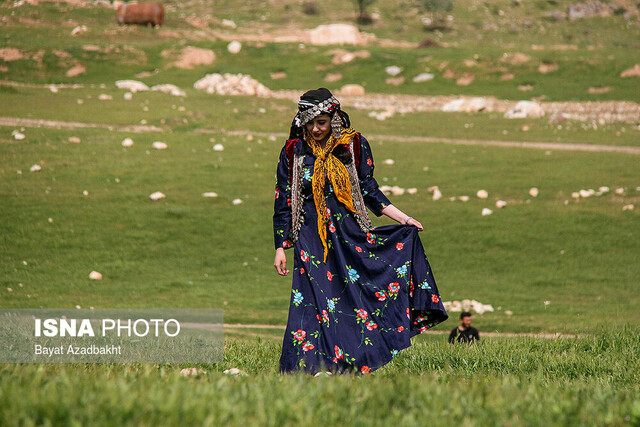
<point x="328" y="165"/>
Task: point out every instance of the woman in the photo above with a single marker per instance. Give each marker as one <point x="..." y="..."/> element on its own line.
<point x="359" y="293"/>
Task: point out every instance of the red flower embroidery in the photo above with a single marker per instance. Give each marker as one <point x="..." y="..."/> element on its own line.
<point x="329" y="275"/>
<point x="332" y="228"/>
<point x="339" y="353"/>
<point x="325" y="315"/>
<point x="399" y="246"/>
<point x="381" y="296"/>
<point x="435" y="299"/>
<point x="304" y="255"/>
<point x="371" y="325"/>
<point x="289" y="201"/>
<point x="371" y="238"/>
<point x="299" y="334"/>
<point x="400" y="328"/>
<point x="365" y="369"/>
<point x="358" y="248"/>
<point x="408" y="315"/>
<point x="319" y="318"/>
<point x="393" y="287"/>
<point x="369" y="162"/>
<point x="328" y="212"/>
<point x="301" y="270"/>
<point x="286" y="244"/>
<point x="307" y="346"/>
<point x="362" y="313"/>
<point x="277" y="192"/>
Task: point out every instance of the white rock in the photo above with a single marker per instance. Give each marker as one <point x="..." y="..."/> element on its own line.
<point x="234" y="47"/>
<point x="85" y="193"/>
<point x="508" y="313"/>
<point x="18" y="136"/>
<point x="628" y="207"/>
<point x="397" y="191"/>
<point x="190" y="372"/>
<point x="575" y="195"/>
<point x="501" y="204"/>
<point x="393" y="70"/>
<point x="533" y="192"/>
<point x="470" y="105"/>
<point x="236" y="201"/>
<point x="218" y="147"/>
<point x="79" y="30"/>
<point x="50" y="220"/>
<point x="423" y="77"/>
<point x="35" y="168"/>
<point x="340" y="34"/>
<point x="159" y="145"/>
<point x="229" y="23"/>
<point x="464" y="198"/>
<point x="74" y="140"/>
<point x="482" y="194"/>
<point x="412" y="190"/>
<point x="105" y="97"/>
<point x="94" y="275"/>
<point x="169" y="88"/>
<point x="127" y="142"/>
<point x="389" y="161"/>
<point x="584" y="193"/>
<point x="604" y="189"/>
<point x="210" y="194"/>
<point x="524" y="109"/>
<point x="234" y="371"/>
<point x="132" y="85"/>
<point x="437" y="195"/>
<point x="156" y="196"/>
<point x="128" y="96"/>
<point x="232" y="84"/>
<point x="620" y="190"/>
<point x="486" y="211"/>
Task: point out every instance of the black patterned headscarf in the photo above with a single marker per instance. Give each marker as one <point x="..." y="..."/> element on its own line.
<point x="313" y="103"/>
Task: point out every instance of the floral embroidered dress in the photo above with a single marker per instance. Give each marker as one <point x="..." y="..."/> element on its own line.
<point x="375" y="291"/>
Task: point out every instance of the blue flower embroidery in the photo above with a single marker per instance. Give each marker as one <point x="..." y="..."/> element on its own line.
<point x="353" y="275"/>
<point x="297" y="297"/>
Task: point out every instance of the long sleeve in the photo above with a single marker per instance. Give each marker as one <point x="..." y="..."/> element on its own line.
<point x="282" y="203"/>
<point x="374" y="198"/>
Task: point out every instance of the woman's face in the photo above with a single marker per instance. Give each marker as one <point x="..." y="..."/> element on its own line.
<point x="320" y="127"/>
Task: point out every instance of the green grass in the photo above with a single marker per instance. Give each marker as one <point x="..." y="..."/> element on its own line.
<point x="516" y="381"/>
<point x="190" y="251"/>
<point x="602" y="48"/>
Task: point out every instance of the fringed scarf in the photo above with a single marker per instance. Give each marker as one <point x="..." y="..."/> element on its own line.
<point x="329" y="166"/>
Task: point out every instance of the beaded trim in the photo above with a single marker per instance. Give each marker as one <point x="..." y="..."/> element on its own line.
<point x="362" y="218"/>
<point x="330" y="104"/>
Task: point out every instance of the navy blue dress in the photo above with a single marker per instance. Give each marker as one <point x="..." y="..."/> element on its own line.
<point x="375" y="292"/>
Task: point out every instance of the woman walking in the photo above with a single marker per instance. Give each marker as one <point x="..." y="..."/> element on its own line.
<point x="359" y="293"/>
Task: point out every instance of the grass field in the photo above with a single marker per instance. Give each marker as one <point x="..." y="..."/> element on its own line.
<point x="559" y="265"/>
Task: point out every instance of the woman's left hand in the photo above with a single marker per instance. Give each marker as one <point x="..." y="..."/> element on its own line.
<point x="415" y="222"/>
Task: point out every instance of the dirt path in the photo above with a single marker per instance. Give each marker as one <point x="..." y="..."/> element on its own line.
<point x="16" y="121"/>
<point x="434" y="332"/>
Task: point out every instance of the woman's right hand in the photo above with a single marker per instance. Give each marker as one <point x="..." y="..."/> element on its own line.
<point x="280" y="262"/>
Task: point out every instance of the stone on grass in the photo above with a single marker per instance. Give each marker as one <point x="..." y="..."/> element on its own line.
<point x="94" y="275"/>
<point x="352" y="90"/>
<point x="533" y="192"/>
<point x="482" y="194"/>
<point x="486" y="211"/>
<point x="234" y="47"/>
<point x="236" y="201"/>
<point x="127" y="142"/>
<point x="35" y="168"/>
<point x="218" y="147"/>
<point x="159" y="145"/>
<point x="157" y="196"/>
<point x="74" y="140"/>
<point x="423" y="77"/>
<point x="620" y="190"/>
<point x="210" y="194"/>
<point x="234" y="371"/>
<point x="132" y="85"/>
<point x="463" y="198"/>
<point x="629" y="207"/>
<point x="501" y="204"/>
<point x="525" y="109"/>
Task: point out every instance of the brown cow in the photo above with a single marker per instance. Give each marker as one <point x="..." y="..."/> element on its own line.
<point x="140" y="13"/>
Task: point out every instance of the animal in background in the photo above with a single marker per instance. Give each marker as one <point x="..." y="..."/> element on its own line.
<point x="140" y="14"/>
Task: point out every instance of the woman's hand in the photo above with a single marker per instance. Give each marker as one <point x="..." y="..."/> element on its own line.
<point x="413" y="221"/>
<point x="280" y="262"/>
